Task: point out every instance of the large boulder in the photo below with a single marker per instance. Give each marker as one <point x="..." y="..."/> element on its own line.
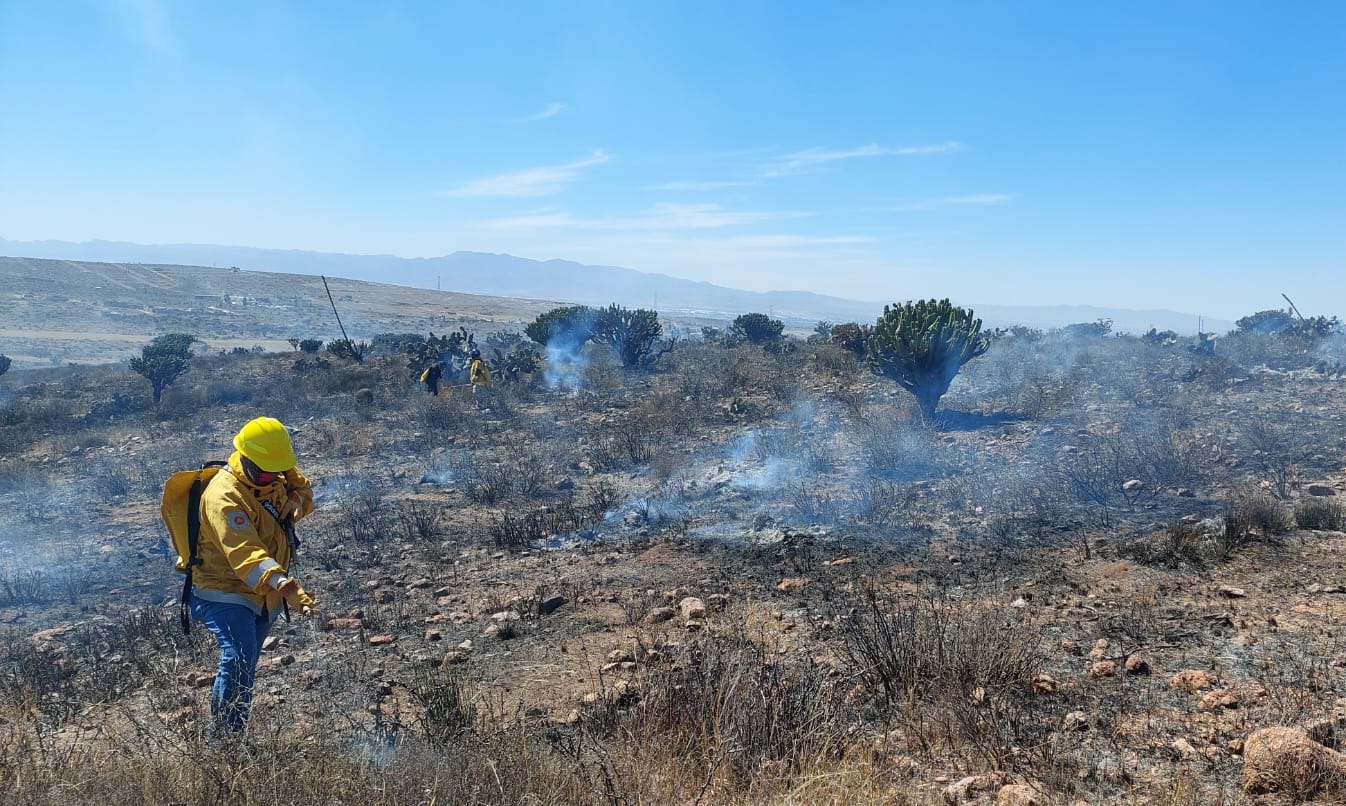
<point x="1288" y="760"/>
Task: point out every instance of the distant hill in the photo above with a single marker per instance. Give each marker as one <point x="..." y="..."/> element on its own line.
<point x="62" y="311"/>
<point x="567" y="281"/>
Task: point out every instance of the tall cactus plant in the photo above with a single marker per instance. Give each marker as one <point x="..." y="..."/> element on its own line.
<point x="922" y="345"/>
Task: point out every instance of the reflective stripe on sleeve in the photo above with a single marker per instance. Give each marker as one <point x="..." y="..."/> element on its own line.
<point x="255" y="578"/>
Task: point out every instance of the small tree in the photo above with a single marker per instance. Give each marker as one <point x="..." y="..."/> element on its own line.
<point x="922" y="345"/>
<point x="1096" y="329"/>
<point x="634" y="334"/>
<point x="310" y="345"/>
<point x="757" y="328"/>
<point x="574" y="323"/>
<point x="164" y="360"/>
<point x="1265" y="322"/>
<point x="4" y="363"/>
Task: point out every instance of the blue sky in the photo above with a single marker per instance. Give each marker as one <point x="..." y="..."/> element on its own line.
<point x="1189" y="156"/>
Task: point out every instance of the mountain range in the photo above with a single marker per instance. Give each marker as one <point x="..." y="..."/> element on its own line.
<point x="509" y="276"/>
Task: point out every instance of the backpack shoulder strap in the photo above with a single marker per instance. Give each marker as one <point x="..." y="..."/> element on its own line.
<point x="193" y="539"/>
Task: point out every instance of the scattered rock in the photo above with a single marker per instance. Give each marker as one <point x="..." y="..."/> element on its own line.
<point x="454" y="657"/>
<point x="380" y="640"/>
<point x="1230" y="592"/>
<point x="1219" y="698"/>
<point x="1321" y="490"/>
<point x="1184" y="749"/>
<point x="1075" y="721"/>
<point x="270" y="643"/>
<point x="965" y="788"/>
<point x="1135" y="664"/>
<point x="659" y="614"/>
<point x="1044" y="684"/>
<point x="1100" y="649"/>
<point x="1018" y="795"/>
<point x="1105" y="668"/>
<point x="551" y="604"/>
<point x="692" y="608"/>
<point x="1287" y="760"/>
<point x="1192" y="680"/>
<point x="383" y="596"/>
<point x="793" y="583"/>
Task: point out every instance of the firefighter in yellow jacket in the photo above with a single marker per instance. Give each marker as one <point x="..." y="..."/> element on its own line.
<point x="477" y="371"/>
<point x="246" y="550"/>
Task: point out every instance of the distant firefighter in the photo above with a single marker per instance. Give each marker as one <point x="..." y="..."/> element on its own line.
<point x="431" y="377"/>
<point x="477" y="371"/>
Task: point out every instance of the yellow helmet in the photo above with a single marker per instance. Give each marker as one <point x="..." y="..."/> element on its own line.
<point x="266" y="442"/>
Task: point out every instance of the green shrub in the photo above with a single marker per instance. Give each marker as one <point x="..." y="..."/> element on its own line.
<point x="346" y="348"/>
<point x="633" y="334"/>
<point x="572" y="323"/>
<point x="757" y="328"/>
<point x="164" y="360"/>
<point x="922" y="345"/>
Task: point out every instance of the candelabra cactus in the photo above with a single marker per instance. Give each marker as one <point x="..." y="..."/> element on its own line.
<point x="921" y="345"/>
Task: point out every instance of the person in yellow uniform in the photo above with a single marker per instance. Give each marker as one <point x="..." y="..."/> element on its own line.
<point x="477" y="371"/>
<point x="246" y="550"/>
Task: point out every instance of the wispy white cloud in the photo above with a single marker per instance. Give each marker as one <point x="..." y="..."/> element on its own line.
<point x="973" y="200"/>
<point x="662" y="218"/>
<point x="802" y="161"/>
<point x="703" y="185"/>
<point x="542" y="181"/>
<point x="550" y="111"/>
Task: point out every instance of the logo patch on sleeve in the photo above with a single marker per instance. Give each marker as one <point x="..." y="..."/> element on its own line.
<point x="237" y="519"/>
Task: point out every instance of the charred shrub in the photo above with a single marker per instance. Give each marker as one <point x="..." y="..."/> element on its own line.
<point x="1262" y="513"/>
<point x="943" y="667"/>
<point x="731" y="700"/>
<point x="1177" y="545"/>
<point x="20" y="586"/>
<point x="1320" y="513"/>
<point x="446" y="709"/>
<point x="517" y="531"/>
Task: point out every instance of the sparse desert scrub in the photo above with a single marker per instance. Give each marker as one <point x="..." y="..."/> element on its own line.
<point x="777" y="483"/>
<point x="1320" y="513"/>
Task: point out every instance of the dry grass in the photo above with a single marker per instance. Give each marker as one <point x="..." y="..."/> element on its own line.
<point x="890" y="589"/>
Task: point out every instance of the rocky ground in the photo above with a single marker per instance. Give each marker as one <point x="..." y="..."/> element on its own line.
<point x="1153" y="620"/>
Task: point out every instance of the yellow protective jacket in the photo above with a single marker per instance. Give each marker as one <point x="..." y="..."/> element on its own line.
<point x="245" y="553"/>
<point x="477" y="372"/>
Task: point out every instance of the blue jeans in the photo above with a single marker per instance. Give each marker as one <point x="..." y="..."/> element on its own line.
<point x="240" y="634"/>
